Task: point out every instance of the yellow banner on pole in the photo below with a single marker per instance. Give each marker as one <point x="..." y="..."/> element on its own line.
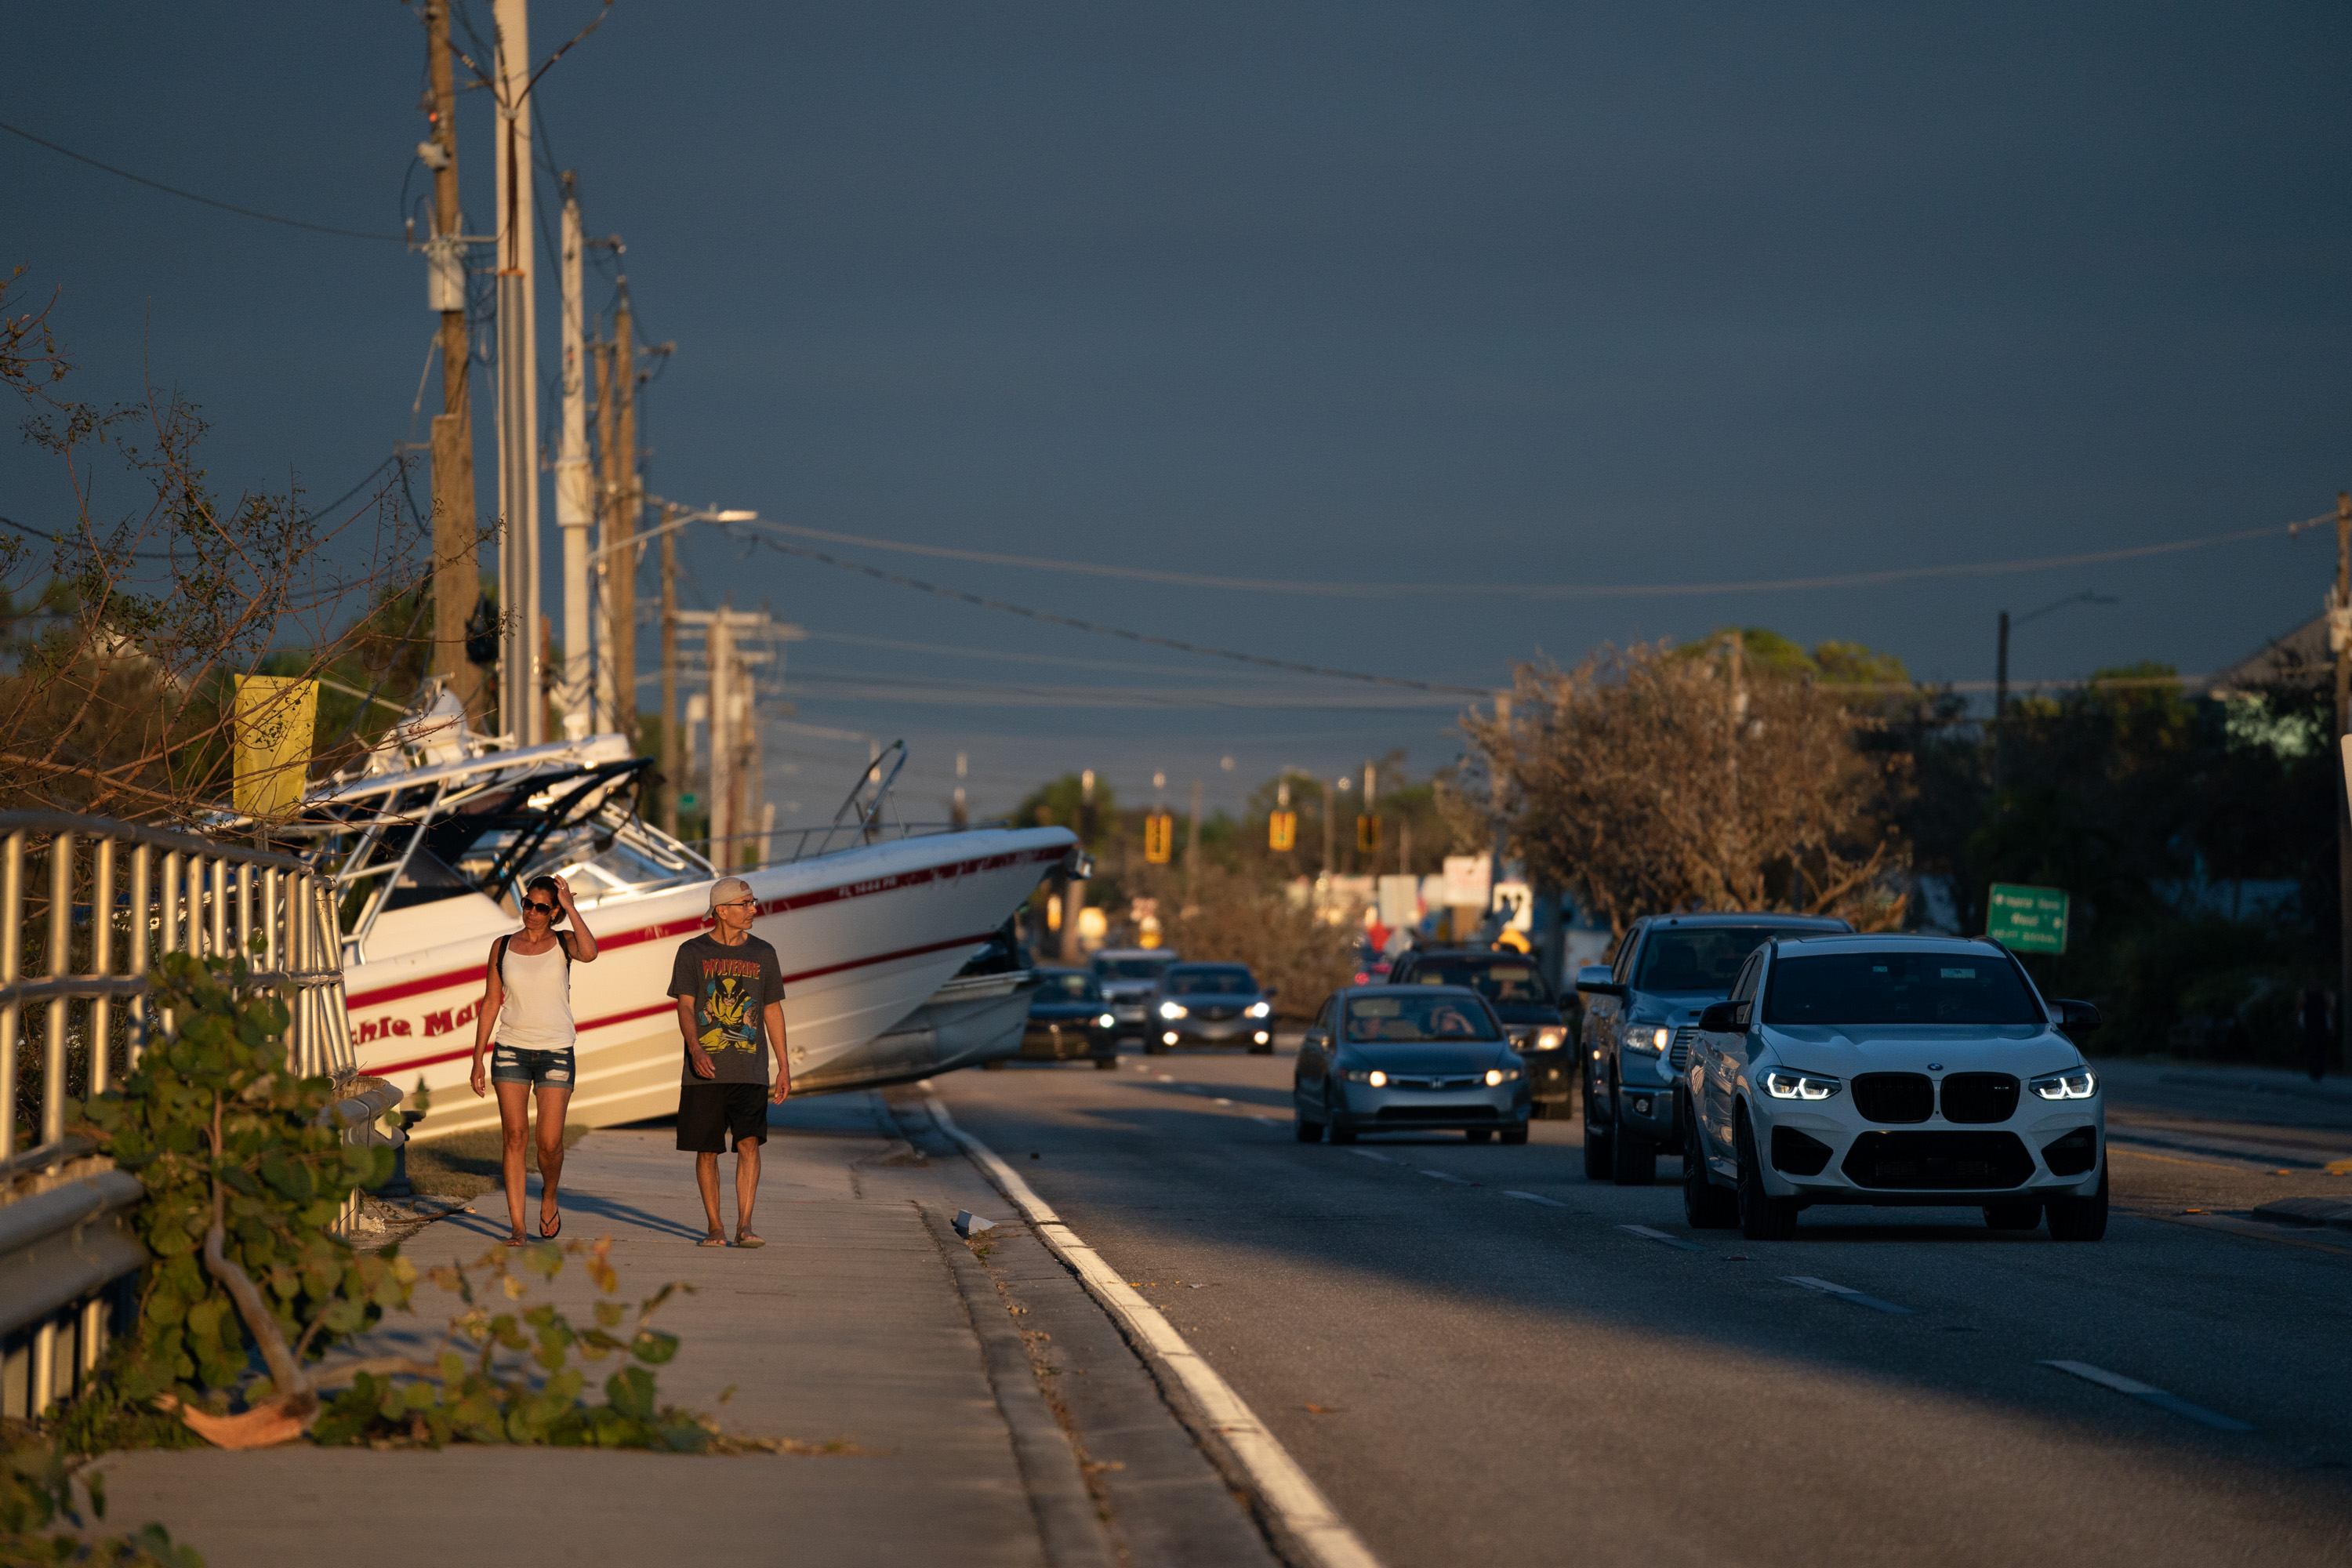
<point x="275" y="720"/>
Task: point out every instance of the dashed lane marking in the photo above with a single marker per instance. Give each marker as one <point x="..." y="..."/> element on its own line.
<point x="1646" y="1234"/>
<point x="1534" y="1198"/>
<point x="1285" y="1490"/>
<point x="1450" y="1176"/>
<point x="1224" y="1102"/>
<point x="2149" y="1395"/>
<point x="1844" y="1293"/>
<point x="1368" y="1154"/>
<point x="1269" y="1121"/>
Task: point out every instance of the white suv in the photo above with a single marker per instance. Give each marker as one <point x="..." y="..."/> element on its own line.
<point x="1893" y="1070"/>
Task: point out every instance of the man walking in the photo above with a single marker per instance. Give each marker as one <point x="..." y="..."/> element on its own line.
<point x="731" y="989"/>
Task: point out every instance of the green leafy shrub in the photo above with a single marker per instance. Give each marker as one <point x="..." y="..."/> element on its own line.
<point x="37" y="1494"/>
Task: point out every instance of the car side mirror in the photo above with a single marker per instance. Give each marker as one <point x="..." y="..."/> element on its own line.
<point x="1316" y="1039"/>
<point x="2076" y="1017"/>
<point x="1600" y="987"/>
<point x="1723" y="1018"/>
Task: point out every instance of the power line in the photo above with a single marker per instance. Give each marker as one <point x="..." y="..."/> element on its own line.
<point x="167" y="555"/>
<point x="1539" y="590"/>
<point x="1050" y="619"/>
<point x="191" y="195"/>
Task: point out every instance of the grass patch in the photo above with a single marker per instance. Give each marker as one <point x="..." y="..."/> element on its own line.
<point x="467" y="1164"/>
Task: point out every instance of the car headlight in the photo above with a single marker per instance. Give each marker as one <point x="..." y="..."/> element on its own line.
<point x="1551" y="1039"/>
<point x="1376" y="1078"/>
<point x="1651" y="1040"/>
<point x="1496" y="1076"/>
<point x="1107" y="1020"/>
<point x="2076" y="1083"/>
<point x="1782" y="1084"/>
<point x="1171" y="1009"/>
<point x="1261" y="1009"/>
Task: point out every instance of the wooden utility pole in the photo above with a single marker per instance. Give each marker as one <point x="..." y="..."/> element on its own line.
<point x="2339" y="637"/>
<point x="672" y="755"/>
<point x="456" y="574"/>
<point x="621" y="520"/>
<point x="1192" y="849"/>
<point x="1073" y="888"/>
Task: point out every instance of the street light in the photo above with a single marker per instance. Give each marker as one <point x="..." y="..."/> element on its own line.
<point x="2000" y="664"/>
<point x="578" y="718"/>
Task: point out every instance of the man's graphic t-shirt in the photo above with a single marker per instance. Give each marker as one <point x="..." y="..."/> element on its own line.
<point x="731" y="987"/>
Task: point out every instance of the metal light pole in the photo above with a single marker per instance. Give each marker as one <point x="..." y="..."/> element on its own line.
<point x="2000" y="665"/>
<point x="519" y="686"/>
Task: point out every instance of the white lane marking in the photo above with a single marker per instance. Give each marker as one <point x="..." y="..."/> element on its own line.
<point x="1224" y="1102"/>
<point x="2150" y="1393"/>
<point x="1164" y="1078"/>
<point x="1646" y="1234"/>
<point x="1535" y="1198"/>
<point x="1844" y="1293"/>
<point x="1269" y="1121"/>
<point x="1287" y="1491"/>
<point x="1368" y="1154"/>
<point x="1449" y="1176"/>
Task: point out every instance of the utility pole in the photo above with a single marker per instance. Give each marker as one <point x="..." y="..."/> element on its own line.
<point x="608" y="700"/>
<point x="1330" y="845"/>
<point x="456" y="574"/>
<point x="1192" y="849"/>
<point x="719" y="652"/>
<point x="2000" y="697"/>
<point x="672" y="754"/>
<point x="621" y="520"/>
<point x="1499" y="785"/>
<point x="573" y="511"/>
<point x="961" y="815"/>
<point x="520" y="713"/>
<point x="2339" y="637"/>
<point x="1073" y="891"/>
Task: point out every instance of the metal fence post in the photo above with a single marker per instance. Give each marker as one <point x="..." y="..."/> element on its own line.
<point x="53" y="1046"/>
<point x="12" y="963"/>
<point x="101" y="964"/>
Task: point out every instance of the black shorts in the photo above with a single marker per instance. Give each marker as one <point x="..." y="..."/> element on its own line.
<point x="707" y="1112"/>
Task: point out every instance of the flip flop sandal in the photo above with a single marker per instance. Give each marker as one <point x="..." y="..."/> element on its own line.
<point x="516" y="1239"/>
<point x="547" y="1234"/>
<point x="745" y="1238"/>
<point x="714" y="1240"/>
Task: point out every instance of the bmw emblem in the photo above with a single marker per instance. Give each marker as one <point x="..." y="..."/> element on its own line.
<point x="1935" y="1067"/>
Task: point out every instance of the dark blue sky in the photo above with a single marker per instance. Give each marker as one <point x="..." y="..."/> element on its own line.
<point x="1410" y="294"/>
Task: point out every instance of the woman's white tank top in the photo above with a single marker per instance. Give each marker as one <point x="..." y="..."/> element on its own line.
<point x="537" y="1012"/>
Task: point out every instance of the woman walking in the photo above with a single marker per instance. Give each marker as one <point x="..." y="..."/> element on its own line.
<point x="529" y="998"/>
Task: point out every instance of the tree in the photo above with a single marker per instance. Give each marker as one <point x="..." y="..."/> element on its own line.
<point x="1652" y="779"/>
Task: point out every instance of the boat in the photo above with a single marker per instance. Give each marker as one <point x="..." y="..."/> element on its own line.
<point x="432" y="839"/>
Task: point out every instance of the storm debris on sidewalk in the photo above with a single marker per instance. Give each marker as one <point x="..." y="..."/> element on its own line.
<point x="969" y="1224"/>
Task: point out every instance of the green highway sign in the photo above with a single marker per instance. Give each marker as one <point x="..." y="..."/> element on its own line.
<point x="690" y="801"/>
<point x="2027" y="920"/>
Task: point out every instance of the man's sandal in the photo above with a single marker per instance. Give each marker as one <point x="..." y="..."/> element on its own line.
<point x="716" y="1238"/>
<point x="745" y="1238"/>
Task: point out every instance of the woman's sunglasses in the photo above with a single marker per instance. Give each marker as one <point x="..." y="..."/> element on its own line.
<point x="542" y="909"/>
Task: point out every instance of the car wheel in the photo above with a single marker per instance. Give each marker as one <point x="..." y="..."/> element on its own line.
<point x="1762" y="1217"/>
<point x="1106" y="1064"/>
<point x="1339" y="1132"/>
<point x="1477" y="1134"/>
<point x="1633" y="1159"/>
<point x="1307" y="1131"/>
<point x="1705" y="1205"/>
<point x="1515" y="1134"/>
<point x="2080" y="1219"/>
<point x="2021" y="1215"/>
<point x="1597" y="1153"/>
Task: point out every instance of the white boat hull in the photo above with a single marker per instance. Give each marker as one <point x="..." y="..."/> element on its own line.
<point x="867" y="936"/>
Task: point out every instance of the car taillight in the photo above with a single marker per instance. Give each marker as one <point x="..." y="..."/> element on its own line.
<point x="1361" y="978"/>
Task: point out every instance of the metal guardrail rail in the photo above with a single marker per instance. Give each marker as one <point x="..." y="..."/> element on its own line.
<point x="110" y="900"/>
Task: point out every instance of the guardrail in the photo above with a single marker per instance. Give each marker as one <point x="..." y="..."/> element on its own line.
<point x="76" y="950"/>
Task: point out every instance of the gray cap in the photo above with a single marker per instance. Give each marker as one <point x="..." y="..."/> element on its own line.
<point x="727" y="890"/>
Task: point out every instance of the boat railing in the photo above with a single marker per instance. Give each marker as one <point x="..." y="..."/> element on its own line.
<point x="787" y="846"/>
<point x="88" y="907"/>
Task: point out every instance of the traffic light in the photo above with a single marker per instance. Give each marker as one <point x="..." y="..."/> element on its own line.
<point x="1159" y="839"/>
<point x="1368" y="834"/>
<point x="1282" y="831"/>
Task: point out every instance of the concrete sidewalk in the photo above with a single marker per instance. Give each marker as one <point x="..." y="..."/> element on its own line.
<point x="850" y="1324"/>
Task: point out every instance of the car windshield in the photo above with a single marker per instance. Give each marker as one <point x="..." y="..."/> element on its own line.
<point x="1505" y="982"/>
<point x="1230" y="981"/>
<point x="1697" y="958"/>
<point x="1131" y="968"/>
<point x="1067" y="987"/>
<point x="1898" y="988"/>
<point x="1408" y="1018"/>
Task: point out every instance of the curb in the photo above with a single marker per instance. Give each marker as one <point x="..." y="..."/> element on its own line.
<point x="1068" y="1523"/>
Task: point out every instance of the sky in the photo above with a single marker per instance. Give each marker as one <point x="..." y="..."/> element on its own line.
<point x="1430" y="297"/>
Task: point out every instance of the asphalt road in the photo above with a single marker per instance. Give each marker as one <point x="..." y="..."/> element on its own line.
<point x="1476" y="1360"/>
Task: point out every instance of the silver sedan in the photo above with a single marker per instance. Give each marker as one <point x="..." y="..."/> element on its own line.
<point x="1409" y="1058"/>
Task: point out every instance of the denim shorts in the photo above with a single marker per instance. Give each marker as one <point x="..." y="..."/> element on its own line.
<point x="540" y="1070"/>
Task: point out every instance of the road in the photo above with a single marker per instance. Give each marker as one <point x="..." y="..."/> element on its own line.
<point x="1477" y="1359"/>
